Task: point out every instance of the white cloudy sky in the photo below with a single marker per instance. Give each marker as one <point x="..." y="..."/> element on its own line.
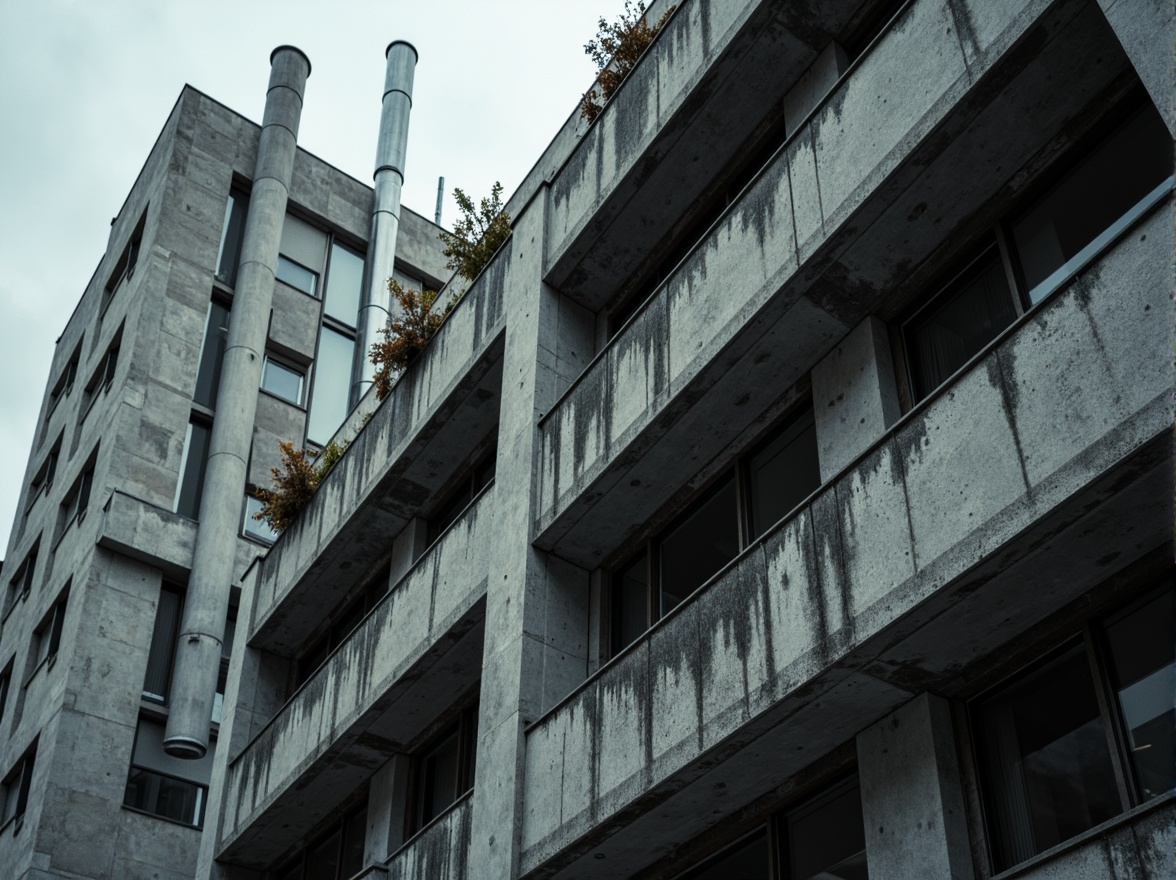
<point x="85" y="86"/>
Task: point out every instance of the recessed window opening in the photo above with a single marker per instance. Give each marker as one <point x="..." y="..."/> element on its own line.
<point x="22" y="582"/>
<point x="1035" y="252"/>
<point x="228" y="254"/>
<point x="447" y="512"/>
<point x="65" y="382"/>
<point x="157" y="683"/>
<point x="251" y="527"/>
<point x="212" y="354"/>
<point x="14" y="790"/>
<point x="762" y="488"/>
<point x="160" y="785"/>
<point x="5" y="685"/>
<point x="1061" y="748"/>
<point x="297" y="276"/>
<point x="282" y="380"/>
<point x="77" y="500"/>
<point x="443" y="771"/>
<point x="336" y="854"/>
<point x="43" y="478"/>
<point x="124" y="269"/>
<point x="103" y="376"/>
<point x="193" y="466"/>
<point x="47" y="635"/>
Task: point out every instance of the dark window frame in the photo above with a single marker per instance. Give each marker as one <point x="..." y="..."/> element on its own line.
<point x="297" y="863"/>
<point x="419" y="812"/>
<point x="21" y="777"/>
<point x="46" y="640"/>
<point x="20" y="585"/>
<point x="290" y="366"/>
<point x="649" y="547"/>
<point x="477" y="477"/>
<point x="124" y="269"/>
<point x="1091" y="636"/>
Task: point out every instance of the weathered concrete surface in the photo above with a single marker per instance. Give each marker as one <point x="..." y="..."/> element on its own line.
<point x="912" y="800"/>
<point x="1147" y="30"/>
<point x="912" y="144"/>
<point x="883" y="584"/>
<point x="147" y="533"/>
<point x="716" y="72"/>
<point x="413" y="653"/>
<point x="434" y="419"/>
<point x="439" y="851"/>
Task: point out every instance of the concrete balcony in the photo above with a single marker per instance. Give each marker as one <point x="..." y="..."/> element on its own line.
<point x="715" y="76"/>
<point x="439" y="852"/>
<point x="827" y="234"/>
<point x="142" y="531"/>
<point x="439" y="411"/>
<point x="371" y="699"/>
<point x="1041" y="468"/>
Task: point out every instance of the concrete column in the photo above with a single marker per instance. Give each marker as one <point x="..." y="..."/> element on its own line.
<point x="912" y="801"/>
<point x="198" y="651"/>
<point x="1147" y="31"/>
<point x="536" y="605"/>
<point x="375" y="308"/>
<point x="855" y="398"/>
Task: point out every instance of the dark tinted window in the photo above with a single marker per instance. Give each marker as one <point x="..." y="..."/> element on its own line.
<point x="195" y="464"/>
<point x="746" y="860"/>
<point x="231" y="237"/>
<point x="629" y="610"/>
<point x="701" y="544"/>
<point x="783" y="472"/>
<point x="826" y="839"/>
<point x="216" y="335"/>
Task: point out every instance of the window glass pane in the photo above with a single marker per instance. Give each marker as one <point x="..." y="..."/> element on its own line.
<point x="344" y="282"/>
<point x="783" y="472"/>
<point x="175" y="799"/>
<point x="1045" y="763"/>
<point x="233" y="232"/>
<point x="630" y="604"/>
<point x="354" y="830"/>
<point x="192" y="475"/>
<point x="826" y="839"/>
<point x="303" y="244"/>
<point x="975" y="308"/>
<point x="163" y="643"/>
<point x="746" y="860"/>
<point x="1143" y="649"/>
<point x="284" y="381"/>
<point x="322" y="860"/>
<point x="332" y="384"/>
<point x="298" y="277"/>
<point x="257" y="528"/>
<point x="212" y="355"/>
<point x="438" y="780"/>
<point x="699" y="546"/>
<point x="1094" y="202"/>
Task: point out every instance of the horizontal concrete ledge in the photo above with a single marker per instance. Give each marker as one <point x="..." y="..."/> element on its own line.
<point x="143" y="531"/>
<point x="440" y="850"/>
<point x="371" y="698"/>
<point x="1047" y="462"/>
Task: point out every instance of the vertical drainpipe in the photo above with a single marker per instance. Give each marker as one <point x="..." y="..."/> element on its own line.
<point x="198" y="652"/>
<point x="376" y="307"/>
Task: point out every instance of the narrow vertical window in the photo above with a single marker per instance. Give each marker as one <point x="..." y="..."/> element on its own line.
<point x="782" y="472"/>
<point x="212" y="354"/>
<point x="232" y="234"/>
<point x="192" y="469"/>
<point x="157" y="683"/>
<point x="698" y="546"/>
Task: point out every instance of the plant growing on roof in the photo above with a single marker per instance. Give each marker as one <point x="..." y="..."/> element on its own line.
<point x="478" y="234"/>
<point x="616" y="50"/>
<point x="407" y="334"/>
<point x="294" y="483"/>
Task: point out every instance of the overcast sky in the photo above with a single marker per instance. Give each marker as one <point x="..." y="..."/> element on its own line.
<point x="85" y="88"/>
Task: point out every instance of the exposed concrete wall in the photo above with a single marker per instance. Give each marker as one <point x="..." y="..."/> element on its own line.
<point x="912" y="800"/>
<point x="855" y="399"/>
<point x="358" y="684"/>
<point x="782" y="626"/>
<point x="1147" y="30"/>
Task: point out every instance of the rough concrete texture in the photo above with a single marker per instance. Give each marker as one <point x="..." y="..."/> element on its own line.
<point x="855" y="398"/>
<point x="397" y="464"/>
<point x="885" y="578"/>
<point x="439" y="851"/>
<point x="357" y="706"/>
<point x="743" y="318"/>
<point x="912" y="801"/>
<point x="1147" y="31"/>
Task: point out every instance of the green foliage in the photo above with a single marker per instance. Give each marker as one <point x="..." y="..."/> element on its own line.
<point x="616" y="50"/>
<point x="294" y="483"/>
<point x="477" y="235"/>
<point x="407" y="334"/>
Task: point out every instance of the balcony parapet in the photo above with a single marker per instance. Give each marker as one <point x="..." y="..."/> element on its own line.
<point x="439" y="851"/>
<point x="1013" y="486"/>
<point x="440" y="408"/>
<point x="349" y="716"/>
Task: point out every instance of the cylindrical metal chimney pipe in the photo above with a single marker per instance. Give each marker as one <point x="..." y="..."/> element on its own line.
<point x="376" y="307"/>
<point x="440" y="198"/>
<point x="198" y="651"/>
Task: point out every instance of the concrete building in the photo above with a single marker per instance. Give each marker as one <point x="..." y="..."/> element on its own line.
<point x="790" y="497"/>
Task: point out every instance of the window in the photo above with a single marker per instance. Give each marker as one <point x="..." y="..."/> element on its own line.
<point x="763" y="487"/>
<point x="22" y="582"/>
<point x="342" y="624"/>
<point x="228" y="256"/>
<point x="258" y="529"/>
<point x="168" y="612"/>
<point x="190" y="487"/>
<point x="297" y="276"/>
<point x="65" y="381"/>
<point x="160" y="785"/>
<point x="1038" y="250"/>
<point x="43" y="478"/>
<point x="47" y="636"/>
<point x="460" y="498"/>
<point x="443" y="771"/>
<point x="282" y="380"/>
<point x="821" y="839"/>
<point x="336" y="855"/>
<point x="5" y="685"/>
<point x="124" y="269"/>
<point x="77" y="500"/>
<point x="212" y="354"/>
<point x="222" y="678"/>
<point x="103" y="375"/>
<point x="14" y="790"/>
<point x="1043" y="738"/>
